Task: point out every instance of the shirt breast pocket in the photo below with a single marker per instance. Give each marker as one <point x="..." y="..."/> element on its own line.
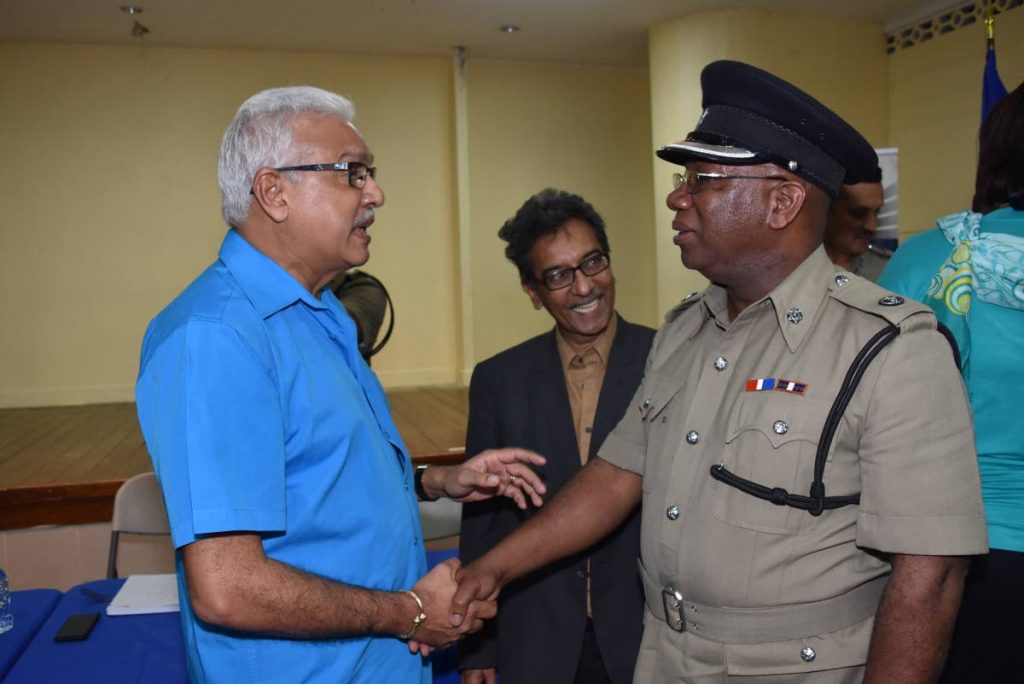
<point x="771" y="441"/>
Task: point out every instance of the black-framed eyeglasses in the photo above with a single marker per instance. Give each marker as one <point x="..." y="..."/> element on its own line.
<point x="561" y="278"/>
<point x="695" y="180"/>
<point x="357" y="172"/>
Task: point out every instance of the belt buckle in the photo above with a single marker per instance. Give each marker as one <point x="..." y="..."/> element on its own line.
<point x="673" y="602"/>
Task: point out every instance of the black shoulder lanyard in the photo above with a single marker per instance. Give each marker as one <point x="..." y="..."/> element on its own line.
<point x="816" y="502"/>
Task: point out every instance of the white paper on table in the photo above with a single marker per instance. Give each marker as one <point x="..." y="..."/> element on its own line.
<point x="143" y="594"/>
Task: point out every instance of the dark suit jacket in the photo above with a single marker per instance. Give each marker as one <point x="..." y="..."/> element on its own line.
<point x="518" y="398"/>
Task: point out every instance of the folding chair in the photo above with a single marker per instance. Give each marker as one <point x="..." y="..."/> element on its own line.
<point x="138" y="509"/>
<point x="440" y="518"/>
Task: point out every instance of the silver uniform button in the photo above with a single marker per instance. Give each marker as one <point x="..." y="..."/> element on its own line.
<point x="891" y="300"/>
<point x="807" y="654"/>
<point x="841" y="280"/>
<point x="794" y="315"/>
<point x="647" y="403"/>
<point x="780" y="427"/>
<point x="721" y="364"/>
<point x="672" y="512"/>
<point x="692" y="437"/>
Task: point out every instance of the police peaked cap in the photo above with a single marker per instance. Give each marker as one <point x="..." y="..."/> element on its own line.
<point x="753" y="117"/>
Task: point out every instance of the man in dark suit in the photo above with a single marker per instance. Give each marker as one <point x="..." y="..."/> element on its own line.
<point x="578" y="620"/>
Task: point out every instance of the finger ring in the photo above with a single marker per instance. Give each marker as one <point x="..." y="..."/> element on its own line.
<point x="512" y="479"/>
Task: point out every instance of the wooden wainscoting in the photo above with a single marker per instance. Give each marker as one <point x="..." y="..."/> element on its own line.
<point x="62" y="465"/>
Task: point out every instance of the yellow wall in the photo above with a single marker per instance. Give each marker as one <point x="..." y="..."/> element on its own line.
<point x="110" y="203"/>
<point x="110" y="206"/>
<point x="583" y="130"/>
<point x="935" y="95"/>
<point x="841" y="63"/>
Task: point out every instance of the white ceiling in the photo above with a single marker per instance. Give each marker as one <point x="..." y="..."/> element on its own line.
<point x="612" y="32"/>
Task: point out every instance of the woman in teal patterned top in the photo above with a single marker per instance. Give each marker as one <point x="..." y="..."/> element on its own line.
<point x="970" y="270"/>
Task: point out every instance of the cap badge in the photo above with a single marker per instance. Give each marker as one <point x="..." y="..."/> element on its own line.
<point x="793" y="166"/>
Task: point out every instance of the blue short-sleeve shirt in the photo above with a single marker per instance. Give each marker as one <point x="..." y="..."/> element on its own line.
<point x="261" y="416"/>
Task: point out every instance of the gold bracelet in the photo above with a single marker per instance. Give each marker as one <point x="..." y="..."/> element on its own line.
<point x="416" y="621"/>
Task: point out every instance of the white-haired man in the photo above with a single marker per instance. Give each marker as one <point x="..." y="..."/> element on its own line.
<point x="288" y="488"/>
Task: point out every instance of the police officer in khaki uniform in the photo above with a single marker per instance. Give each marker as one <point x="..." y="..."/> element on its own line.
<point x="801" y="440"/>
<point x="853" y="220"/>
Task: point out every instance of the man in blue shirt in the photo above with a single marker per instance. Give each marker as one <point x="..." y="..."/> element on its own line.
<point x="289" y="491"/>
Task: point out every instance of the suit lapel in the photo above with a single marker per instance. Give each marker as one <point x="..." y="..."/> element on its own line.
<point x="552" y="401"/>
<point x="612" y="401"/>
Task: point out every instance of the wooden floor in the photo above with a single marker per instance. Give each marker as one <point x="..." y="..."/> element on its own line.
<point x="62" y="465"/>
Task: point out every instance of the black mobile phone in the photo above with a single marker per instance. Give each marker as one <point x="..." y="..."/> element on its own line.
<point x="77" y="627"/>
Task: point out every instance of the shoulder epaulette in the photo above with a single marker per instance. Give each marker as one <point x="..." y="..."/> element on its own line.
<point x="863" y="295"/>
<point x="688" y="301"/>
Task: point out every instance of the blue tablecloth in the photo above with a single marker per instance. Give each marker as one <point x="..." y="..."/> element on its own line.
<point x="31" y="608"/>
<point x="126" y="648"/>
<point x="123" y="648"/>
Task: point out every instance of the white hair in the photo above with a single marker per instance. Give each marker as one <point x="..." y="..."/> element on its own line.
<point x="261" y="136"/>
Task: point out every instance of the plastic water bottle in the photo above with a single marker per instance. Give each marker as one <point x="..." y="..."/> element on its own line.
<point x="6" y="616"/>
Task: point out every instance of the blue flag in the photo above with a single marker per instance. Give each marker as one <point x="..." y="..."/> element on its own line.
<point x="992" y="88"/>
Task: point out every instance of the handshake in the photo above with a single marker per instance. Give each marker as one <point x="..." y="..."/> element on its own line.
<point x="456" y="601"/>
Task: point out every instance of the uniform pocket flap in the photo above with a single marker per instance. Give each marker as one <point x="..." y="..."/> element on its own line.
<point x="780" y="419"/>
<point x="656" y="393"/>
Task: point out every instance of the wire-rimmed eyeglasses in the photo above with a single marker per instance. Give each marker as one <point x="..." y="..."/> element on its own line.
<point x="695" y="180"/>
<point x="357" y="172"/>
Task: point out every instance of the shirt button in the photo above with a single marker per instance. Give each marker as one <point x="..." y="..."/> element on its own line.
<point x="721" y="364"/>
<point x="807" y="654"/>
<point x="647" y="402"/>
<point x="672" y="513"/>
<point x="582" y="574"/>
<point x="841" y="280"/>
<point x="780" y="427"/>
<point x="589" y="429"/>
<point x="692" y="437"/>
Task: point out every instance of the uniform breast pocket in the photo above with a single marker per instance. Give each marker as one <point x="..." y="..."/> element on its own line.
<point x="770" y="440"/>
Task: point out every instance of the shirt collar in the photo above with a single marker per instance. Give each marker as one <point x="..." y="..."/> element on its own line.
<point x="268" y="286"/>
<point x="602" y="346"/>
<point x="801" y="296"/>
<point x="797" y="300"/>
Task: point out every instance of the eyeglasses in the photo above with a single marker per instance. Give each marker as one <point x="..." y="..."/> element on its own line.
<point x="695" y="180"/>
<point x="357" y="171"/>
<point x="561" y="278"/>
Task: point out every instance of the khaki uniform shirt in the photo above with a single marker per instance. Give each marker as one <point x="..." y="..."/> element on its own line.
<point x="905" y="443"/>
